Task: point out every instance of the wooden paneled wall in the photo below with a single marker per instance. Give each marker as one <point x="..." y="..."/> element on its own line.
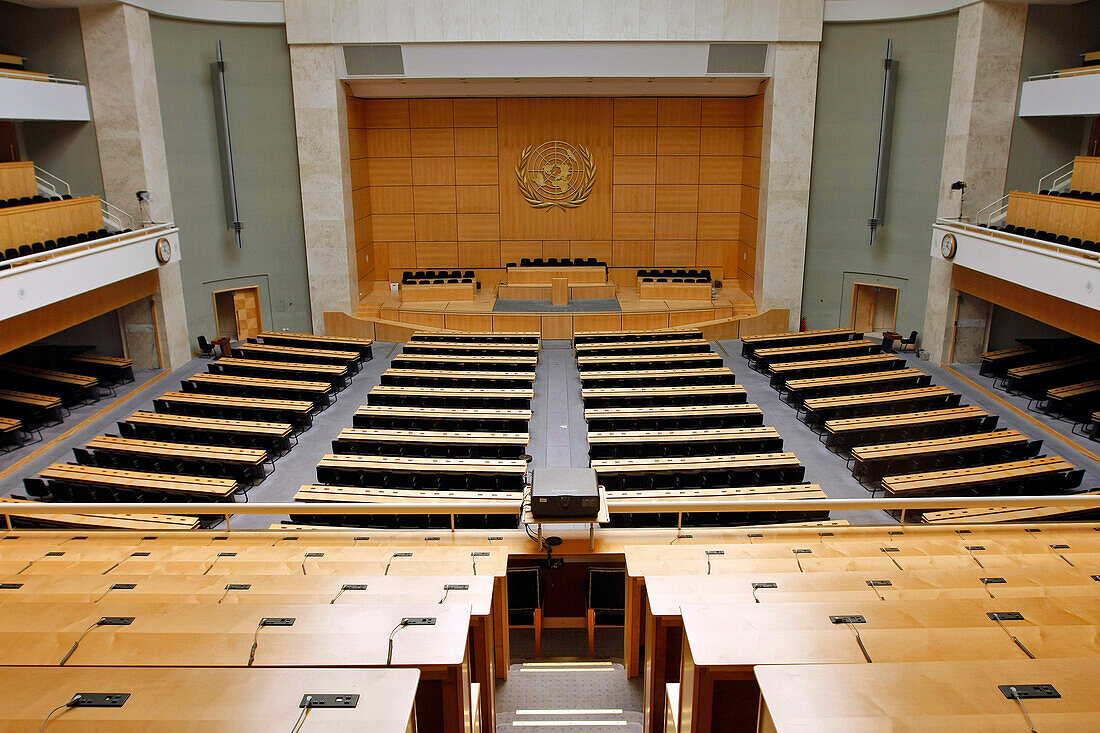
<point x="39" y="222"/>
<point x="1055" y="214"/>
<point x="17" y="180"/>
<point x="1086" y="173"/>
<point x="676" y="185"/>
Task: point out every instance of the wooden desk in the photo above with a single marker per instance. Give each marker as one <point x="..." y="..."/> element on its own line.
<point x="818" y="409"/>
<point x="844" y="433"/>
<point x="797" y="390"/>
<point x="174" y="635"/>
<point x="718" y="689"/>
<point x="36" y="408"/>
<point x="272" y="436"/>
<point x="1006" y="514"/>
<point x="466" y="363"/>
<point x="440" y="378"/>
<point x="544" y="275"/>
<point x="649" y="289"/>
<point x="74" y="387"/>
<point x="631" y="362"/>
<point x="697" y="394"/>
<point x="872" y="461"/>
<point x="627" y="347"/>
<point x="749" y="344"/>
<point x="11" y="430"/>
<point x="438" y="443"/>
<point x="1032" y="377"/>
<point x="1074" y="400"/>
<point x="298" y="412"/>
<point x="199" y="487"/>
<point x="655" y="377"/>
<point x="431" y="292"/>
<point x="945" y="696"/>
<point x="335" y="374"/>
<point x="115" y="369"/>
<point x="614" y="443"/>
<point x="969" y="479"/>
<point x="321" y="394"/>
<point x="786" y="371"/>
<point x="502" y="474"/>
<point x="769" y="467"/>
<point x="462" y="347"/>
<point x="135" y="522"/>
<point x="670" y="334"/>
<point x="249" y="460"/>
<point x="710" y="416"/>
<point x="386" y="394"/>
<point x="996" y="363"/>
<point x="441" y="418"/>
<point x="247" y="700"/>
<point x="526" y="337"/>
<point x="313" y="341"/>
<point x="350" y="359"/>
<point x="761" y="358"/>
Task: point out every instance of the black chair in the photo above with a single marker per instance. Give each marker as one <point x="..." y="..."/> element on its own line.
<point x="525" y="602"/>
<point x="605" y="601"/>
<point x="908" y="343"/>
<point x="36" y="488"/>
<point x="25" y="249"/>
<point x="84" y="457"/>
<point x="524" y="262"/>
<point x="468" y="274"/>
<point x="206" y="348"/>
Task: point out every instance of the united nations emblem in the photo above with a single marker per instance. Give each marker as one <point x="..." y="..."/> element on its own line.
<point x="556" y="174"/>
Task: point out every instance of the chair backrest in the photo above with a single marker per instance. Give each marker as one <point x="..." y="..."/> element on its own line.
<point x="912" y="337"/>
<point x="606" y="589"/>
<point x="524" y="589"/>
<point x="203" y="343"/>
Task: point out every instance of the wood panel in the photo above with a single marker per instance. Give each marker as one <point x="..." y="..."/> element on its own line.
<point x="1086" y="173"/>
<point x="675" y="180"/>
<point x="17" y="179"/>
<point x="38" y="222"/>
<point x="1055" y="214"/>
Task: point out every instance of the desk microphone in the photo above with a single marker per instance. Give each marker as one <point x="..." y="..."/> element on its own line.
<point x="396" y="554"/>
<point x="708" y="553"/>
<point x="407" y="621"/>
<point x="104" y="621"/>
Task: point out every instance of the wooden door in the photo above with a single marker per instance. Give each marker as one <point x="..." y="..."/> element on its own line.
<point x="863" y="309"/>
<point x="874" y="307"/>
<point x="246" y="308"/>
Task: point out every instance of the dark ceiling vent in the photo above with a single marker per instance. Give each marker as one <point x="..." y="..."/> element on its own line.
<point x="737" y="58"/>
<point x="374" y="60"/>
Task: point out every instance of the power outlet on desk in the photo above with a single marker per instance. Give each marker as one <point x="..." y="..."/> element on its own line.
<point x="10" y="586"/>
<point x="227" y="554"/>
<point x="1095" y="577"/>
<point x="879" y="583"/>
<point x="802" y="551"/>
<point x="1025" y="692"/>
<point x="123" y="586"/>
<point x="974" y="548"/>
<point x="1059" y="547"/>
<point x="315" y="554"/>
<point x="100" y="699"/>
<point x="348" y="700"/>
<point x="419" y="621"/>
<point x="716" y="552"/>
<point x="474" y="554"/>
<point x="353" y="586"/>
<point x="1005" y="616"/>
<point x="116" y="621"/>
<point x="495" y="538"/>
<point x="456" y="586"/>
<point x="759" y="586"/>
<point x="276" y="621"/>
<point x="987" y="581"/>
<point x="432" y="539"/>
<point x="140" y="554"/>
<point x="854" y="619"/>
<point x="238" y="586"/>
<point x="402" y="554"/>
<point x="890" y="549"/>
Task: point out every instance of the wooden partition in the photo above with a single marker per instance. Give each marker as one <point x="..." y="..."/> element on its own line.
<point x="17" y="180"/>
<point x="1055" y="214"/>
<point x="39" y="222"/>
<point x="674" y="184"/>
<point x="1086" y="173"/>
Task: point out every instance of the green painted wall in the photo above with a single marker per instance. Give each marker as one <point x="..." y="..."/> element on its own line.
<point x="265" y="150"/>
<point x="842" y="181"/>
<point x="51" y="42"/>
<point x="1055" y="38"/>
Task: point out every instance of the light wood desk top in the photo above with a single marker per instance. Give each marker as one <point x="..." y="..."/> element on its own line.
<point x="655" y="373"/>
<point x="663" y="357"/>
<point x="175" y="700"/>
<point x="948" y="696"/>
<point x="671" y="411"/>
<point x="824" y="349"/>
<point x="694" y="463"/>
<point x="762" y="338"/>
<point x="515" y="360"/>
<point x="886" y="451"/>
<point x="261" y="383"/>
<point x="212" y="488"/>
<point x="193" y="635"/>
<point x="475" y="335"/>
<point x="890" y="375"/>
<point x="1074" y="390"/>
<point x="384" y="435"/>
<point x="681" y="436"/>
<point x="1032" y="370"/>
<point x="10" y="424"/>
<point x="443" y="413"/>
<point x="440" y="374"/>
<point x="77" y="380"/>
<point x="29" y="398"/>
<point x="315" y="337"/>
<point x="370" y="495"/>
<point x="1007" y="353"/>
<point x="282" y="366"/>
<point x="960" y="478"/>
<point x="142" y="522"/>
<point x="392" y="389"/>
<point x="221" y="454"/>
<point x="898" y="395"/>
<point x="142" y="417"/>
<point x="254" y="403"/>
<point x="585" y="348"/>
<point x="263" y="349"/>
<point x="1002" y="514"/>
<point x="473" y="346"/>
<point x="788" y="491"/>
<point x="904" y="419"/>
<point x="510" y="466"/>
<point x="865" y="360"/>
<point x="663" y="333"/>
<point x="635" y="391"/>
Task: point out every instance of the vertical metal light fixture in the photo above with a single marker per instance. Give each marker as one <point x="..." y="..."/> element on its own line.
<point x="225" y="148"/>
<point x="885" y="135"/>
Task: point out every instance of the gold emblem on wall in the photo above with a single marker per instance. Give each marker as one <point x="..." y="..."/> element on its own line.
<point x="556" y="174"/>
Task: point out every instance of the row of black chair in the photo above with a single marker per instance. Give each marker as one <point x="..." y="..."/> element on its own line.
<point x="675" y="273"/>
<point x="27" y="200"/>
<point x="26" y="250"/>
<point x="676" y="279"/>
<point x="1073" y="194"/>
<point x="433" y="274"/>
<point x="1051" y="237"/>
<point x="437" y="281"/>
<point x="167" y="465"/>
<point x="555" y="262"/>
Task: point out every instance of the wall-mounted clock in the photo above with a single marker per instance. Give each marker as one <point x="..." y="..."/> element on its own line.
<point x="948" y="246"/>
<point x="164" y="250"/>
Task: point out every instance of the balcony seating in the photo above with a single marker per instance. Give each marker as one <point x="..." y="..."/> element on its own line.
<point x="556" y="262"/>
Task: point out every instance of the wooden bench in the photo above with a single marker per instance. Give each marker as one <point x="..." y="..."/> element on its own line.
<point x="746" y="469"/>
<point x="241" y="464"/>
<point x="673" y="417"/>
<point x="65" y="480"/>
<point x="658" y="377"/>
<point x="635" y="361"/>
<point x="471" y="363"/>
<point x="433" y="443"/>
<point x="816" y="410"/>
<point x="72" y="388"/>
<point x="474" y="474"/>
<point x="267" y="352"/>
<point x="762" y="358"/>
<point x="786" y="371"/>
<point x="516" y="399"/>
<point x="133" y="522"/>
<point x="638" y="396"/>
<point x="37" y="409"/>
<point x="298" y="413"/>
<point x="1033" y="379"/>
<point x="519" y="337"/>
<point x="321" y="394"/>
<point x="841" y="435"/>
<point x="273" y="437"/>
<point x="313" y="341"/>
<point x="337" y="375"/>
<point x="620" y="502"/>
<point x="441" y="418"/>
<point x="643" y="347"/>
<point x="1009" y="514"/>
<point x="109" y="369"/>
<point x="872" y="462"/>
<point x="651" y="443"/>
<point x="595" y="337"/>
<point x="487" y="502"/>
<point x="796" y="391"/>
<point x="749" y="344"/>
<point x="996" y="363"/>
<point x="1050" y="475"/>
<point x="441" y="378"/>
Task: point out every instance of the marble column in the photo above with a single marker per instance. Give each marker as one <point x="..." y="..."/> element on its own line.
<point x="122" y="83"/>
<point x="785" y="158"/>
<point x="320" y="117"/>
<point x="984" y="83"/>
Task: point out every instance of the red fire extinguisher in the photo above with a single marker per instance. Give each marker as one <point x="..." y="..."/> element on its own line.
<point x="802" y="324"/>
